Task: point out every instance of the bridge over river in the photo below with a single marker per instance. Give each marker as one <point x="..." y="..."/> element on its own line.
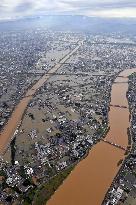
<point x="91" y="178"/>
<point x="89" y="181"/>
<point x="115" y="145"/>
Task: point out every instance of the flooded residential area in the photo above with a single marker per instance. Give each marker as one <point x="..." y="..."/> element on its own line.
<point x="67" y="118"/>
<point x="101" y="165"/>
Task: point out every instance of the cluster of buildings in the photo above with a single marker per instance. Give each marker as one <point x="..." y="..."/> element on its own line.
<point x="24" y="57"/>
<point x="68" y="114"/>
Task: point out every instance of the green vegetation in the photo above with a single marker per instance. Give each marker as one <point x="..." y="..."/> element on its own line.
<point x="22" y="172"/>
<point x="46" y="191"/>
<point x="28" y="198"/>
<point x="103" y="130"/>
<point x="3" y="173"/>
<point x="42" y="194"/>
<point x="13" y="150"/>
<point x="119" y="162"/>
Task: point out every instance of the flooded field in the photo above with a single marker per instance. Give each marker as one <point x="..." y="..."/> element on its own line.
<point x="90" y="180"/>
<point x="11" y="126"/>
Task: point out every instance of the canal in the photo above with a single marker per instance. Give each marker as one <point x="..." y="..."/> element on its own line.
<point x="89" y="181"/>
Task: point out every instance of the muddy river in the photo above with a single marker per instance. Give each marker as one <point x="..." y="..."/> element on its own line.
<point x="16" y="117"/>
<point x="91" y="178"/>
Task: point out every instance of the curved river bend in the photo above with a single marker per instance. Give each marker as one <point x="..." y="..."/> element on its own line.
<point x="91" y="178"/>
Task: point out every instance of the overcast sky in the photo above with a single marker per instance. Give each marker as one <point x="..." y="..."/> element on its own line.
<point x="10" y="9"/>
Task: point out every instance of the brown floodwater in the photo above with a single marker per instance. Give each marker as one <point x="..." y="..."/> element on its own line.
<point x="9" y="129"/>
<point x="91" y="178"/>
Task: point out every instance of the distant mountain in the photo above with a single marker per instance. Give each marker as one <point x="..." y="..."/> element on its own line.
<point x="73" y="23"/>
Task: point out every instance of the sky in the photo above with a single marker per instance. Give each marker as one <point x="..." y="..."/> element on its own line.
<point x="11" y="9"/>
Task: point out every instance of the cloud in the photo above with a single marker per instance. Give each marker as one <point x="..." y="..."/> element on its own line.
<point x="23" y="6"/>
<point x="114" y="13"/>
<point x="10" y="9"/>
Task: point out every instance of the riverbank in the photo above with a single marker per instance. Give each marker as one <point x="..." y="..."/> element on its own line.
<point x="119" y="180"/>
<point x="98" y="159"/>
<point x="10" y="128"/>
<point x="43" y="193"/>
